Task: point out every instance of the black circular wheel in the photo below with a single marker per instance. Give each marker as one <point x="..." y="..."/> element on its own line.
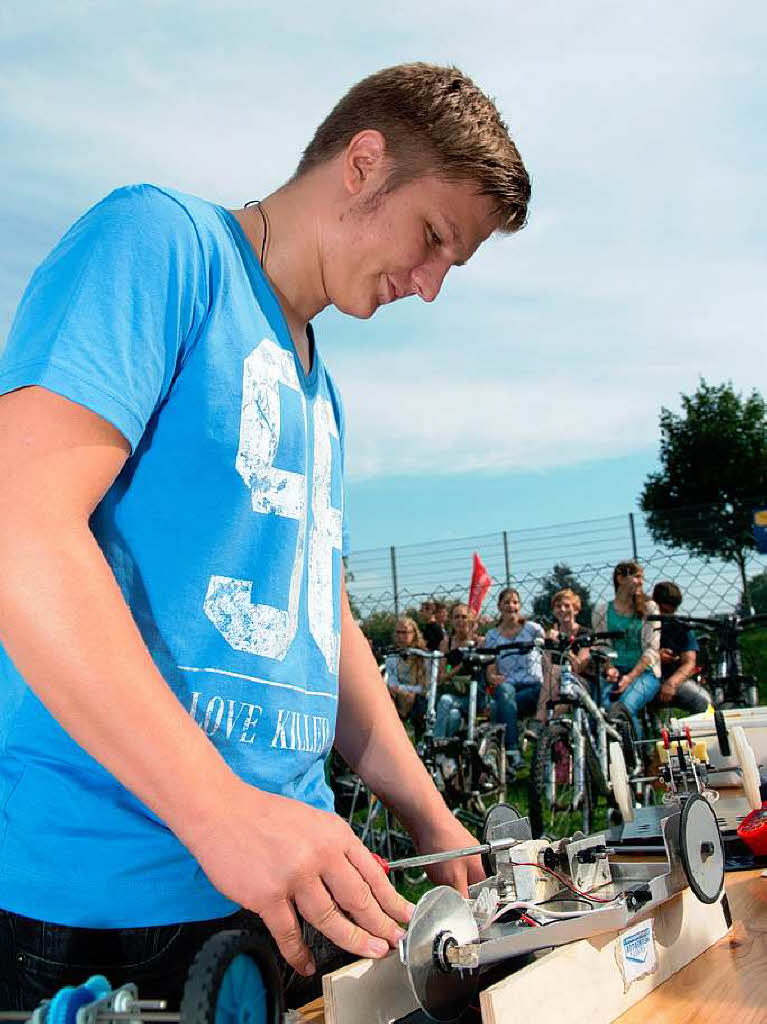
<point x="234" y="979"/>
<point x="552" y="789"/>
<point x="701" y="849"/>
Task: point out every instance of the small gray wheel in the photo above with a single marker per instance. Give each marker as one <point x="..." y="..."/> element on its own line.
<point x="442" y="916"/>
<point x="701" y="849"/>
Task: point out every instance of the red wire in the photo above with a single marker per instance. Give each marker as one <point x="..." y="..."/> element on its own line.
<point x="559" y="878"/>
<point x="529" y="920"/>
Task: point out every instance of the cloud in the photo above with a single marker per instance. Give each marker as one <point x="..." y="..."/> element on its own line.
<point x="643" y="264"/>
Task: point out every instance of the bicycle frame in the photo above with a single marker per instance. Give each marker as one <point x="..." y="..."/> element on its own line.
<point x="589" y="726"/>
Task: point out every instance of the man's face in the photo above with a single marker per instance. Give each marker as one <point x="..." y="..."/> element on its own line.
<point x="402" y="243"/>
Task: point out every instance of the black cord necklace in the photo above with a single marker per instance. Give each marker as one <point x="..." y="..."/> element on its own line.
<point x="257" y="202"/>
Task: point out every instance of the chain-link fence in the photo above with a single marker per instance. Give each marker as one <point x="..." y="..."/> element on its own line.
<point x="396" y="578"/>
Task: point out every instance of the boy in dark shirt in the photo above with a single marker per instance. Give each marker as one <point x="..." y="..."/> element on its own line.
<point x="678" y="655"/>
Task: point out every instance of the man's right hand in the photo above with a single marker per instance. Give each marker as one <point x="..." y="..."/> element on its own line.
<point x="280" y="858"/>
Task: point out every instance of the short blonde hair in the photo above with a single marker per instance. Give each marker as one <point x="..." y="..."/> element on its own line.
<point x="566" y="595"/>
<point x="435" y="120"/>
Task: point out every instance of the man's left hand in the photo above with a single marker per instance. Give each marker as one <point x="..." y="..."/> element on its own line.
<point x="450" y="834"/>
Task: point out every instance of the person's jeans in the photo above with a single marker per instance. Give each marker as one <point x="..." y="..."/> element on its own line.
<point x="38" y="958"/>
<point x="450" y="710"/>
<point x="639" y="693"/>
<point x="510" y="703"/>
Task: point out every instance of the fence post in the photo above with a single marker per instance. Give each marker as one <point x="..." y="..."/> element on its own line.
<point x="506" y="557"/>
<point x="393" y="553"/>
<point x="633" y="537"/>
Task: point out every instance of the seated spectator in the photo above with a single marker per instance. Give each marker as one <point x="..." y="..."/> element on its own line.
<point x="433" y="629"/>
<point x="454" y="701"/>
<point x="514" y="681"/>
<point x="565" y="605"/>
<point x="636" y="673"/>
<point x="405" y="677"/>
<point x="678" y="655"/>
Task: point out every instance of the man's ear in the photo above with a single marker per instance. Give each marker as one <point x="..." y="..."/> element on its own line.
<point x="365" y="164"/>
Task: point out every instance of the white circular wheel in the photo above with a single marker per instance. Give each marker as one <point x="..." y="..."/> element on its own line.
<point x="748" y="767"/>
<point x="620" y="782"/>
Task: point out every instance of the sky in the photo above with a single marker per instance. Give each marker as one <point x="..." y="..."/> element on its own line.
<point x="529" y="392"/>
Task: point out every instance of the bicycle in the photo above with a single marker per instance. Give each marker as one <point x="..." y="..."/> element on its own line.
<point x="469" y="769"/>
<point x="729" y="687"/>
<point x="370" y="819"/>
<point x="570" y="767"/>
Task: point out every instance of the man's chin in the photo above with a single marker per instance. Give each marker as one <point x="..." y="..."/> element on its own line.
<point x="357" y="310"/>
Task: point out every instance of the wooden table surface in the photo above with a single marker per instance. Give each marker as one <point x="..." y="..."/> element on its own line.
<point x="725" y="985"/>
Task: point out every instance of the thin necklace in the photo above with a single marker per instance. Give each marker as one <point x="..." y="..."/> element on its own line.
<point x="257" y="202"/>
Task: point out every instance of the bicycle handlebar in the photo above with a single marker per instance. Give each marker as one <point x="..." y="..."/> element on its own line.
<point x="731" y="623"/>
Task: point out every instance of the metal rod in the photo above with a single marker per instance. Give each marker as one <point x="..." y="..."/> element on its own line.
<point x="506" y="557"/>
<point x="466" y="851"/>
<point x="633" y="536"/>
<point x="393" y="554"/>
<point x="169" y="1018"/>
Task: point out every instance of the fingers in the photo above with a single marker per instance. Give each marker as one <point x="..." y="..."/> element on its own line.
<point x="387" y="897"/>
<point x="356" y="898"/>
<point x="318" y="907"/>
<point x="281" y="920"/>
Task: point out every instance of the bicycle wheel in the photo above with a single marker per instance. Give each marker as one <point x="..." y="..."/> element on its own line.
<point x="489" y="771"/>
<point x="552" y="790"/>
<point x="619" y="716"/>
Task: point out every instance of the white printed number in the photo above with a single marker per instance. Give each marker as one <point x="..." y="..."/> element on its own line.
<point x="264" y="629"/>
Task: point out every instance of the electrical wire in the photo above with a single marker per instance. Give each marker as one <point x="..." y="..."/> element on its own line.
<point x="568" y="885"/>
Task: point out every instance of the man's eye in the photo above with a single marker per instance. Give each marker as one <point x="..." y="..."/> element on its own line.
<point x="434" y="237"/>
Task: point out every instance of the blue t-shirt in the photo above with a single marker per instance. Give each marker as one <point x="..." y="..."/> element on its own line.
<point x="224" y="532"/>
<point x="519" y="669"/>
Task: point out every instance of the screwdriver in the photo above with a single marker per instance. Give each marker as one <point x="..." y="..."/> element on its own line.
<point x="438" y="858"/>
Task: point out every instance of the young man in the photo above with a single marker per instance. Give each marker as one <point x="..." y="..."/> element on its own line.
<point x="678" y="655"/>
<point x="178" y="650"/>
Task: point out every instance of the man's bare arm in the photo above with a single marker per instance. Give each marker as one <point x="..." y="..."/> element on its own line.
<point x="372" y="740"/>
<point x="65" y="624"/>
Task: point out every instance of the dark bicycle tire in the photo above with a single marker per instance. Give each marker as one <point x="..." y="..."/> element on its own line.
<point x="619" y="716"/>
<point x="553" y="747"/>
<point x="491" y="780"/>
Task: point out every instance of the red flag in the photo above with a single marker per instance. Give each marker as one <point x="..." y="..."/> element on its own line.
<point x="480" y="584"/>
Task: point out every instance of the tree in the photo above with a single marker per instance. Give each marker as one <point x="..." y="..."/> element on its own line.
<point x="713" y="472"/>
<point x="378" y="627"/>
<point x="757" y="591"/>
<point x="561" y="577"/>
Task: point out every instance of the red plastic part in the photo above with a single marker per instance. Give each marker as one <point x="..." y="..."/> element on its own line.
<point x="384" y="863"/>
<point x="753" y="831"/>
<point x="666" y="739"/>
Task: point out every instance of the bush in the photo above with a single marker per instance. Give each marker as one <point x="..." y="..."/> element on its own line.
<point x="753" y="646"/>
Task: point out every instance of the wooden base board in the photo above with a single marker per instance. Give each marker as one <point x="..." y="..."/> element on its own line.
<point x="580" y="983"/>
<point x="369" y="991"/>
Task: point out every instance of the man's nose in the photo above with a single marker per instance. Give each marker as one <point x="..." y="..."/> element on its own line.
<point x="427" y="280"/>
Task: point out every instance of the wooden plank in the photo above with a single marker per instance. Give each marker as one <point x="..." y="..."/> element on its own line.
<point x="727" y="983"/>
<point x="582" y="983"/>
<point x="373" y="991"/>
